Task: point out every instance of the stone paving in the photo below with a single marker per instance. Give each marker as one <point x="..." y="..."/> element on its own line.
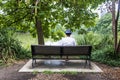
<point x="59" y="66"/>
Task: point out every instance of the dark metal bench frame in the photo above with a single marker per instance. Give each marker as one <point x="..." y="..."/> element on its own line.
<point x="44" y="50"/>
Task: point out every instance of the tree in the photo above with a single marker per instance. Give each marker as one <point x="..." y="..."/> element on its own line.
<point x="115" y="23"/>
<point x="46" y="14"/>
<point x="104" y="24"/>
<point x="110" y="5"/>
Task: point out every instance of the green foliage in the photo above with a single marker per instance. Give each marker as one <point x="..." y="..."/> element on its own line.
<point x="62" y="72"/>
<point x="48" y="72"/>
<point x="106" y="56"/>
<point x="26" y="39"/>
<point x="35" y="72"/>
<point x="104" y="25"/>
<point x="105" y="51"/>
<point x="97" y="40"/>
<point x="20" y="15"/>
<point x="102" y="44"/>
<point x="101" y="39"/>
<point x="57" y="33"/>
<point x="10" y="48"/>
<point x="69" y="72"/>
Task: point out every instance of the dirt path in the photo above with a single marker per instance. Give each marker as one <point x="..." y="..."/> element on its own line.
<point x="11" y="73"/>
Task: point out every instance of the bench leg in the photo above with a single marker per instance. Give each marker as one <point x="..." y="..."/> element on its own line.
<point x="87" y="62"/>
<point x="66" y="58"/>
<point x="33" y="63"/>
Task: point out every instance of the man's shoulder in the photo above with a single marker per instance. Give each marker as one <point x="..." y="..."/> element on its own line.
<point x="72" y="38"/>
<point x="68" y="38"/>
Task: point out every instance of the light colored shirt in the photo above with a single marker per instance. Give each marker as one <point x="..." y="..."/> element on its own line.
<point x="67" y="41"/>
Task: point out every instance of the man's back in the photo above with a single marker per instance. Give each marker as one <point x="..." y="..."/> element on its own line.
<point x="68" y="41"/>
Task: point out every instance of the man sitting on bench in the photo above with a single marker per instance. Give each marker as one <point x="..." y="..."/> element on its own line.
<point x="67" y="41"/>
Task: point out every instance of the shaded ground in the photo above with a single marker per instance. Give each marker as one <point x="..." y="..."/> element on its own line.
<point x="11" y="73"/>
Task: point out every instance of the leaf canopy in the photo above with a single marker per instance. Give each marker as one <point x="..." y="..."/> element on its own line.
<point x="20" y="14"/>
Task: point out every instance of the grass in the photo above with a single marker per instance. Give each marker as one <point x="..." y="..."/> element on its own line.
<point x="62" y="72"/>
<point x="69" y="72"/>
<point x="26" y="39"/>
<point x="48" y="72"/>
<point x="35" y="72"/>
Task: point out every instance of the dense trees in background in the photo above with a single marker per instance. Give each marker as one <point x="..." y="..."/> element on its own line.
<point x="102" y="40"/>
<point x="110" y="7"/>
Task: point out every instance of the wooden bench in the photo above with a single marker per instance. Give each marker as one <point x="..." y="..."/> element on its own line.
<point x="47" y="51"/>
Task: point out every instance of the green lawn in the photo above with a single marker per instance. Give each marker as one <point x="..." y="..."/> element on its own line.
<point x="26" y="39"/>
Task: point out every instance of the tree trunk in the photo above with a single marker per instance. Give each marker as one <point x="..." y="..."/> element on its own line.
<point x="114" y="25"/>
<point x="39" y="31"/>
<point x="38" y="24"/>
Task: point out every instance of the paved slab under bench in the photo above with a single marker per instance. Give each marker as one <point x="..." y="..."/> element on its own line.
<point x="59" y="66"/>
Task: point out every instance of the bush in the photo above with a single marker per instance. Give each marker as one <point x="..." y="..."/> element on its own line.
<point x="102" y="44"/>
<point x="97" y="40"/>
<point x="10" y="48"/>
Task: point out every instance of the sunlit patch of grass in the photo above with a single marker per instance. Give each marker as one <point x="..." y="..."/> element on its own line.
<point x="48" y="72"/>
<point x="35" y="72"/>
<point x="26" y="39"/>
<point x="69" y="72"/>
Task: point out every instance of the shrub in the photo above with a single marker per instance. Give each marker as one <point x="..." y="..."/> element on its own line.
<point x="102" y="44"/>
<point x="97" y="40"/>
<point x="10" y="48"/>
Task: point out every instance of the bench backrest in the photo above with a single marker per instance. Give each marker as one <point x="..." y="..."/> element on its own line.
<point x="61" y="50"/>
<point x="76" y="50"/>
<point x="42" y="49"/>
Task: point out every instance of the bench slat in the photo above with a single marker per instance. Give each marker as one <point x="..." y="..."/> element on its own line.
<point x="76" y="50"/>
<point x="42" y="50"/>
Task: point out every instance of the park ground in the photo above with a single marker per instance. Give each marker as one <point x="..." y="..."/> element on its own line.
<point x="11" y="73"/>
